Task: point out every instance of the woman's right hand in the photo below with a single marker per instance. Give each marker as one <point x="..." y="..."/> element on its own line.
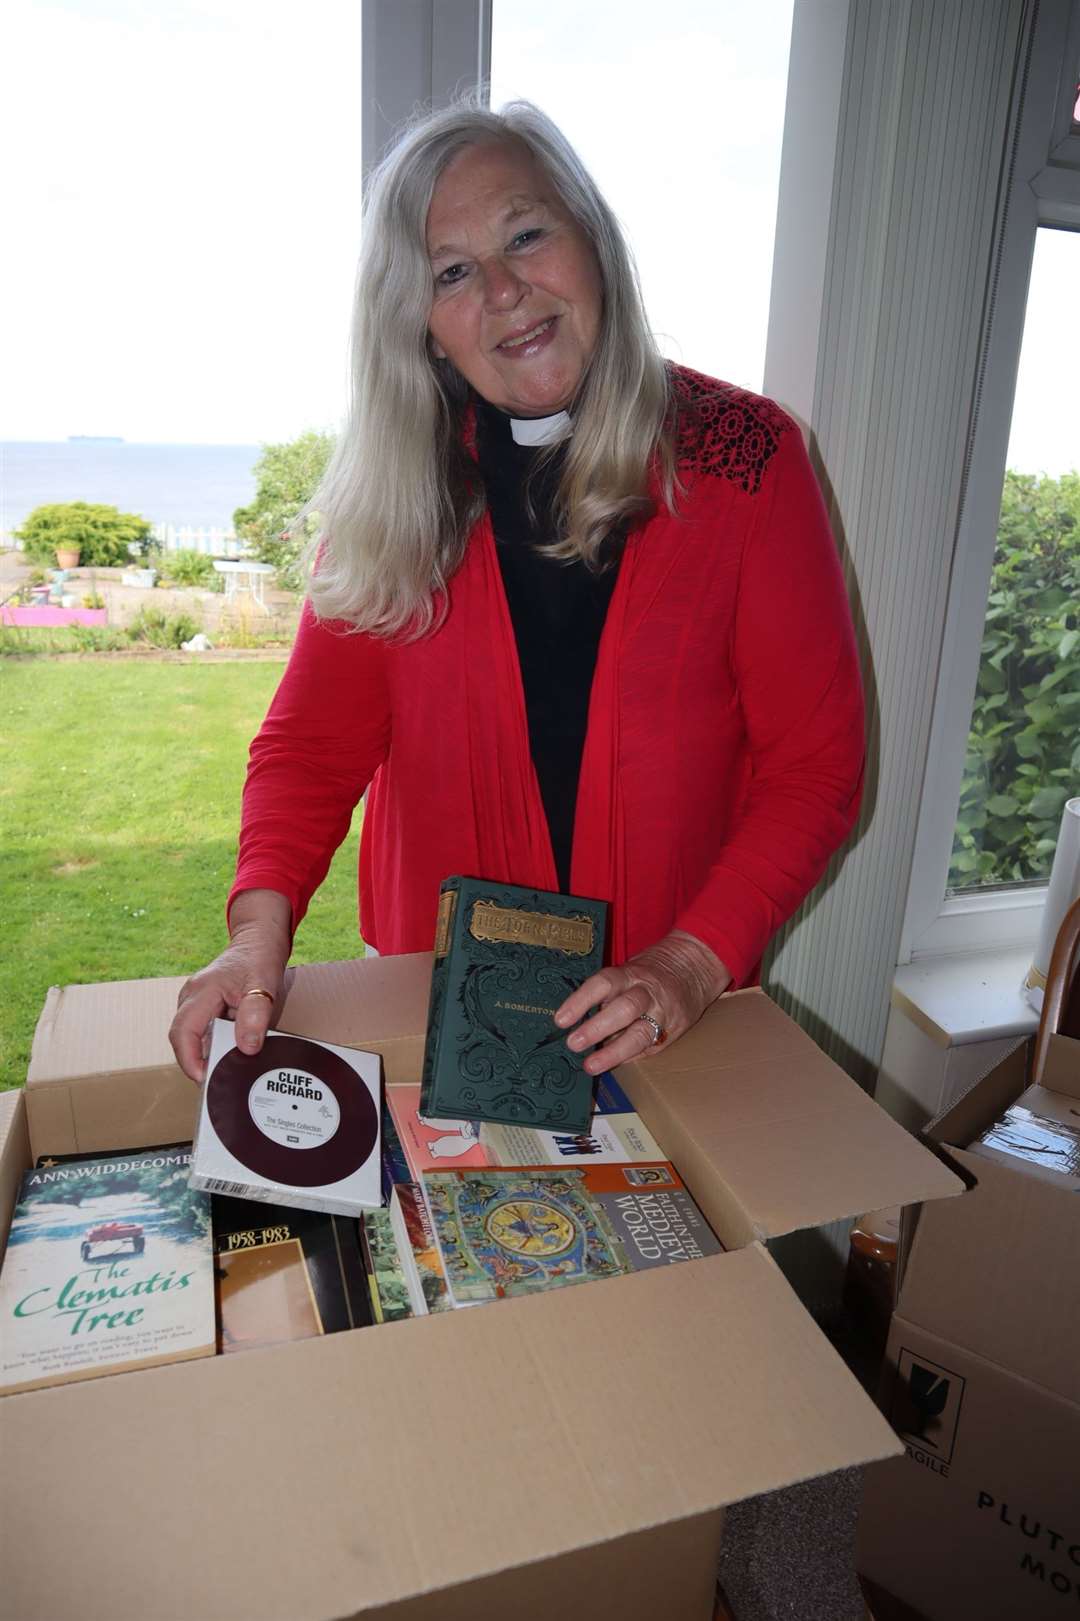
<point x="260" y="930"/>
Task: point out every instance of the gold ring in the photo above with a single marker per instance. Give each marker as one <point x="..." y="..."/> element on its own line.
<point x="257" y="990"/>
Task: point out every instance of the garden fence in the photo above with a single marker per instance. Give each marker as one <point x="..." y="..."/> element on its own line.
<point x="211" y="542"/>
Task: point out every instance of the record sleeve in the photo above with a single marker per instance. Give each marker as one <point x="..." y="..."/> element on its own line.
<point x="294" y="1124"/>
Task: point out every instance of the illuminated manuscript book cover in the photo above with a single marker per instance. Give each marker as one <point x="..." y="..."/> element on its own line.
<point x="518" y="1231"/>
<point x="108" y="1267"/>
<point x="505" y="959"/>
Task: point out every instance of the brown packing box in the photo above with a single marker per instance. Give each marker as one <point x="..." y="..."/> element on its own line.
<point x="562" y="1455"/>
<point x="1042" y="1128"/>
<point x="981" y="1518"/>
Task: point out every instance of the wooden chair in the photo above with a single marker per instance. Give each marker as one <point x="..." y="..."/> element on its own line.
<point x="1061" y="998"/>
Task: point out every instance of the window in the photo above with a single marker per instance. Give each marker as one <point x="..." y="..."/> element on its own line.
<point x="960" y="899"/>
<point x="678" y="111"/>
<point x="1024" y="747"/>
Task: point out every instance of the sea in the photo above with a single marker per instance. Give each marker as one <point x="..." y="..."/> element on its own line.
<point x="187" y="485"/>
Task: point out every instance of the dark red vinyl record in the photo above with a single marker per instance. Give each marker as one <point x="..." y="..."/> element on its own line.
<point x="294" y="1113"/>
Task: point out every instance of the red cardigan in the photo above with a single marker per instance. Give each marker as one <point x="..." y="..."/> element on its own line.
<point x="723" y="759"/>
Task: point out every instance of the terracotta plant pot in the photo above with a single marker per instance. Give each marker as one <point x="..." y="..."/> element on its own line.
<point x="67" y="556"/>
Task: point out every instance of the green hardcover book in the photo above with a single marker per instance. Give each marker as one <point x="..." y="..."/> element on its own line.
<point x="505" y="960"/>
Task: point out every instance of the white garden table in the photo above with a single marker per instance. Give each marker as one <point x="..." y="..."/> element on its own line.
<point x="244" y="578"/>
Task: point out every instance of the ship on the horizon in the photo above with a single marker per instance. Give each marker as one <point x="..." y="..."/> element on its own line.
<point x="94" y="439"/>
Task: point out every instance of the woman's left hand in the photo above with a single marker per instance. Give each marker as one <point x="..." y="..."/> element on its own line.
<point x="673" y="982"/>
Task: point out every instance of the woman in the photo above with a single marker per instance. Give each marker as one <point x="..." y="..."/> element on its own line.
<point x="576" y="620"/>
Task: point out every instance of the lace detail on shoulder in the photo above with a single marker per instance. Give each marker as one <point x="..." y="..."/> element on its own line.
<point x="725" y="431"/>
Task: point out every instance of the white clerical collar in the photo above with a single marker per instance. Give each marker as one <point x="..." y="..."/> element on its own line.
<point x="541" y="430"/>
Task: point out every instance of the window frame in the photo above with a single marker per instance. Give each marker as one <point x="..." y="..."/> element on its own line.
<point x="418" y="54"/>
<point x="1043" y="190"/>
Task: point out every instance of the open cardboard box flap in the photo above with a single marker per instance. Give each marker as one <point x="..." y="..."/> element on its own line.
<point x="770" y="1135"/>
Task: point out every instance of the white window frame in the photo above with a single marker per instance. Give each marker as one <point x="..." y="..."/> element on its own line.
<point x="1044" y="191"/>
<point x="417" y="55"/>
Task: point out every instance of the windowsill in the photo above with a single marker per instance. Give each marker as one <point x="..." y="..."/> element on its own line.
<point x="972" y="996"/>
<point x="964" y="924"/>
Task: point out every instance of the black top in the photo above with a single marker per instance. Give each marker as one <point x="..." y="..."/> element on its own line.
<point x="557" y="610"/>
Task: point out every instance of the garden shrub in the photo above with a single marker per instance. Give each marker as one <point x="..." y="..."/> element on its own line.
<point x="1023" y="753"/>
<point x="286" y="476"/>
<point x="96" y="638"/>
<point x="154" y="628"/>
<point x="103" y="534"/>
<point x="191" y="568"/>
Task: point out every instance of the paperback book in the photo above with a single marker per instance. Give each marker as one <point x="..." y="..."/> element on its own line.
<point x="505" y="959"/>
<point x="285" y="1274"/>
<point x="410" y="1222"/>
<point x="396" y="1165"/>
<point x="614" y="1135"/>
<point x="109" y="1266"/>
<point x="519" y="1231"/>
<point x="418" y="1250"/>
<point x="391" y="1299"/>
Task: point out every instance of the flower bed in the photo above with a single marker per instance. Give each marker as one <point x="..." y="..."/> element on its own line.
<point x="42" y="613"/>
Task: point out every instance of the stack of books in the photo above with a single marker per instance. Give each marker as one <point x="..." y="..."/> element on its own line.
<point x="479" y="1212"/>
<point x="115" y="1262"/>
<point x="504" y="1172"/>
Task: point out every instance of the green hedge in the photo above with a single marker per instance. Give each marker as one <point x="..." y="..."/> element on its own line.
<point x="1023" y="754"/>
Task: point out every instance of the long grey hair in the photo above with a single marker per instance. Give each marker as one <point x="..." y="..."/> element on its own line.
<point x="401" y="493"/>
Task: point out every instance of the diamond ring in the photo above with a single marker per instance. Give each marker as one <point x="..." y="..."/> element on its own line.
<point x="659" y="1034"/>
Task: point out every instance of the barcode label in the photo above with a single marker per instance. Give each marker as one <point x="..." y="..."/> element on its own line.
<point x="238" y="1189"/>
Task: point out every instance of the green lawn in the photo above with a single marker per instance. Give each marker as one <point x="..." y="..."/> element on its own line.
<point x="119" y="803"/>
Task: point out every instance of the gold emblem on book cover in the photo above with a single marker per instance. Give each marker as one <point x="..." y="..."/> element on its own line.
<point x="502" y="924"/>
<point x="530" y="1227"/>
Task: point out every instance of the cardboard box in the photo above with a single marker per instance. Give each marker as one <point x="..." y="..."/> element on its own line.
<point x="982" y="1382"/>
<point x="1041" y="1129"/>
<point x="562" y="1455"/>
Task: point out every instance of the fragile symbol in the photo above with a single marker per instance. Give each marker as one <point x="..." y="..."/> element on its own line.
<point x="926" y="1406"/>
<point x="929" y="1392"/>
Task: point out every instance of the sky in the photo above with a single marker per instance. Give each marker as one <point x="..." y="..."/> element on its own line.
<point x="182" y="219"/>
<point x="182" y="223"/>
<point x="1045" y="433"/>
<point x="185" y="209"/>
<point x="679" y="115"/>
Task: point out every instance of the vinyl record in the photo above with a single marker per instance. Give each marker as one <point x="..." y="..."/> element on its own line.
<point x="294" y="1113"/>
